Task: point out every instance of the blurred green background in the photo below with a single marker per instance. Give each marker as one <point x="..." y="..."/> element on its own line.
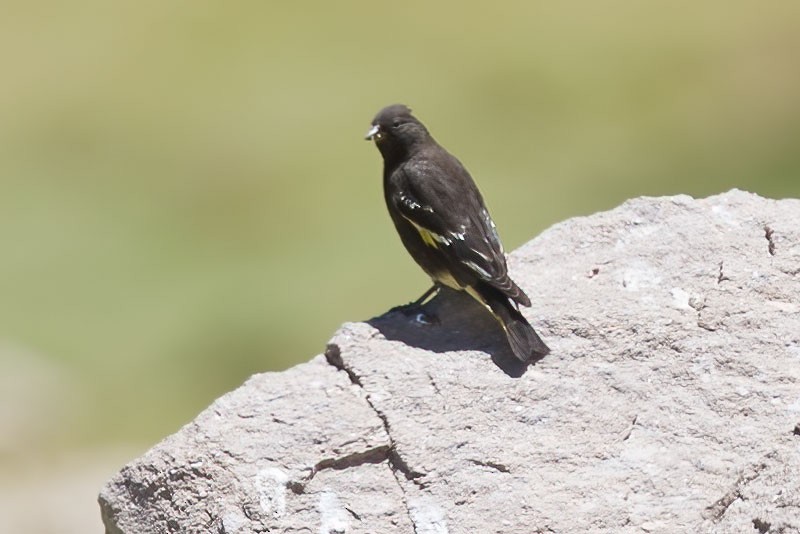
<point x="186" y="197"/>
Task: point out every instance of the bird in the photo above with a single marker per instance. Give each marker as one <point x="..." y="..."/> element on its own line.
<point x="443" y="222"/>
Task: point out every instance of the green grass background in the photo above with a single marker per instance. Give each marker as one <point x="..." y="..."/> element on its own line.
<point x="186" y="197"/>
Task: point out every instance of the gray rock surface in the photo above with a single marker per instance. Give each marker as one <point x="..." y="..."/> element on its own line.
<point x="670" y="402"/>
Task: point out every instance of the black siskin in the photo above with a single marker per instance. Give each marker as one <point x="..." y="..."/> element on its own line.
<point x="443" y="222"/>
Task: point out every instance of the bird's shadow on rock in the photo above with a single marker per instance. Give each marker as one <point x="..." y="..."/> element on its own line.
<point x="456" y="323"/>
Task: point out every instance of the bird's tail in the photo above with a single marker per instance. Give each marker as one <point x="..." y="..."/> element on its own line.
<point x="525" y="342"/>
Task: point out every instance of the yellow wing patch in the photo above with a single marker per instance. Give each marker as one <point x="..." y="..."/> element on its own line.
<point x="429" y="238"/>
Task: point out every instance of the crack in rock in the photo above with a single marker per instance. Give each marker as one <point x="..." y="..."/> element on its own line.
<point x="434" y="385"/>
<point x="492" y="465"/>
<point x="375" y="455"/>
<point x="768" y="233"/>
<point x="629" y="430"/>
<point x="371" y="456"/>
<point x="353" y="513"/>
<point x="762" y="526"/>
<point x="721" y="277"/>
<point x="715" y="511"/>
<point x="333" y="355"/>
<point x="699" y="305"/>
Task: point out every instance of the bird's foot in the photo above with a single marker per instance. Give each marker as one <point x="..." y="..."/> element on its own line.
<point x="417" y="313"/>
<point x="426" y="319"/>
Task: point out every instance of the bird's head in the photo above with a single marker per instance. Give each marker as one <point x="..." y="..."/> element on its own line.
<point x="395" y="130"/>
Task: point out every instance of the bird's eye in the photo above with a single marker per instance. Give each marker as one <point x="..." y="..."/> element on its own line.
<point x="396" y="123"/>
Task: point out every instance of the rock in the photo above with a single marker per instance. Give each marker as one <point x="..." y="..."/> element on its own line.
<point x="669" y="403"/>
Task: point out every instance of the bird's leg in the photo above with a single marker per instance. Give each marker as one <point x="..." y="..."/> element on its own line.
<point x="427" y="296"/>
<point x="416" y="310"/>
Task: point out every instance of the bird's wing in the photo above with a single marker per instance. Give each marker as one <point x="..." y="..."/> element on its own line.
<point x="441" y="200"/>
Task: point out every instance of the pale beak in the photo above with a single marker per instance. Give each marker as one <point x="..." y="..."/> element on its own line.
<point x="375" y="130"/>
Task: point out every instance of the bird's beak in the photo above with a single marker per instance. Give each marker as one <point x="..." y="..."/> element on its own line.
<point x="374" y="131"/>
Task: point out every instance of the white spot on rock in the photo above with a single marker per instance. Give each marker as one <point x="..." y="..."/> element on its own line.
<point x="335" y="519"/>
<point x="724" y="214"/>
<point x="639" y="276"/>
<point x="680" y="298"/>
<point x="232" y="522"/>
<point x="271" y="486"/>
<point x="428" y="517"/>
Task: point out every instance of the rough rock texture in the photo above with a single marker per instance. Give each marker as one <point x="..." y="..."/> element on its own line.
<point x="670" y="402"/>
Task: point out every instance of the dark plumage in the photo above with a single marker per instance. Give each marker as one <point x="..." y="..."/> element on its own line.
<point x="443" y="222"/>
